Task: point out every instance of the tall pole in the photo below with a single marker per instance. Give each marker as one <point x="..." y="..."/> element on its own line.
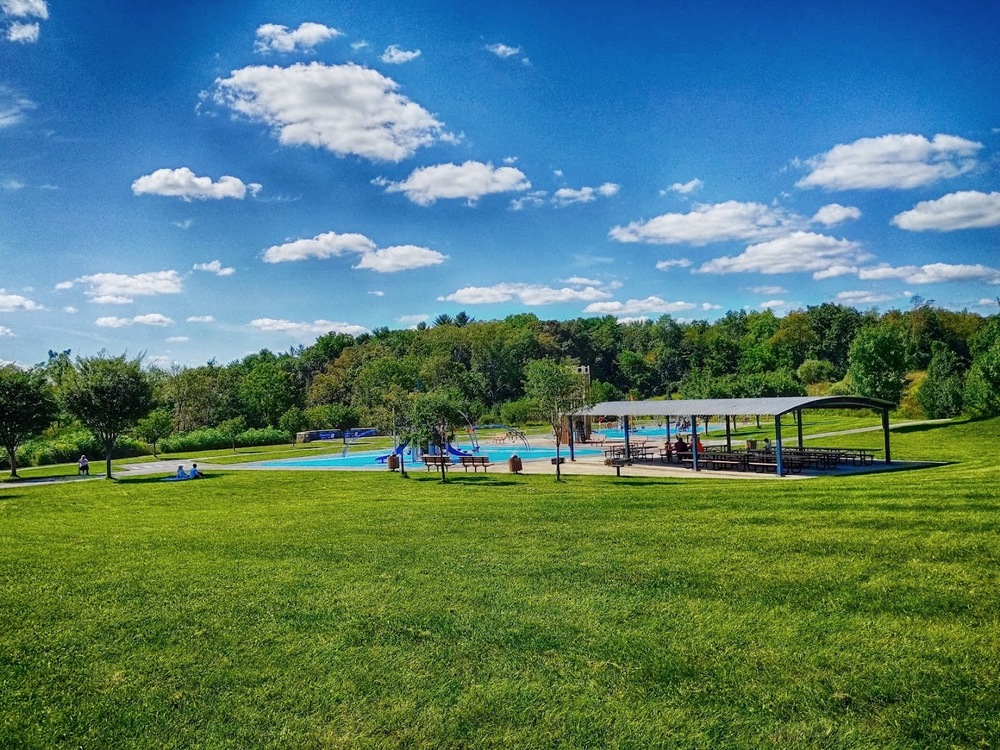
<point x="885" y="435"/>
<point x="777" y="444"/>
<point x="694" y="443"/>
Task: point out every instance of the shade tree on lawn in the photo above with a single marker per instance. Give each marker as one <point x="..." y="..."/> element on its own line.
<point x="27" y="407"/>
<point x="557" y="389"/>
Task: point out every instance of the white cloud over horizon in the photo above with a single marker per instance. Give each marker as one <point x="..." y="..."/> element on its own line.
<point x="150" y="319"/>
<point x="470" y="180"/>
<point x="215" y="267"/>
<point x="635" y="307"/>
<point x="332" y="244"/>
<point x="834" y="213"/>
<point x="891" y="161"/>
<point x="686" y="188"/>
<point x="568" y="196"/>
<point x="14" y="302"/>
<point x="932" y="273"/>
<point x="862" y="297"/>
<point x="968" y="209"/>
<point x="119" y="289"/>
<point x="346" y="109"/>
<point x="184" y="184"/>
<point x="820" y="254"/>
<point x="527" y="294"/>
<point x="272" y="37"/>
<point x="278" y="325"/>
<point x="664" y="265"/>
<point x="709" y="222"/>
<point x="400" y="258"/>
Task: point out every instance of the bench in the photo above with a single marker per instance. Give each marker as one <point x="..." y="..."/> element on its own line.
<point x="437" y="462"/>
<point x="618" y="463"/>
<point x="475" y="462"/>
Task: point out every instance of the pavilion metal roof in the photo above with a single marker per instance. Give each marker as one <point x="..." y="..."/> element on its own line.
<point x="773" y="406"/>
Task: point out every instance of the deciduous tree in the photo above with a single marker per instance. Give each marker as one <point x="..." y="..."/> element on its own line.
<point x="26" y="408"/>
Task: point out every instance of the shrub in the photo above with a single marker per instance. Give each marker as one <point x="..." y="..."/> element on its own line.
<point x="211" y="438"/>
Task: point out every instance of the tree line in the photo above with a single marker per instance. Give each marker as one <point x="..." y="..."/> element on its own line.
<point x="931" y="361"/>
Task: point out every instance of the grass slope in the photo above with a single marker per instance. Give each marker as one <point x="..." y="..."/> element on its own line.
<point x="361" y="610"/>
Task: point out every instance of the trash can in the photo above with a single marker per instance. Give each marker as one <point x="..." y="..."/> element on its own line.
<point x="751" y="445"/>
<point x="392" y="462"/>
<point x="514" y="464"/>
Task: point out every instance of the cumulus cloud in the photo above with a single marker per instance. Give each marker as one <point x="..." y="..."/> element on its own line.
<point x="768" y="290"/>
<point x="800" y="251"/>
<point x="346" y="109"/>
<point x="891" y="161"/>
<point x="684" y="188"/>
<point x="117" y="288"/>
<point x="503" y="50"/>
<point x="834" y="213"/>
<point x="274" y="38"/>
<point x="6" y="333"/>
<point x="277" y="325"/>
<point x="471" y="181"/>
<point x="566" y="196"/>
<point x="185" y="184"/>
<point x="968" y="209"/>
<point x="25" y="33"/>
<point x="862" y="297"/>
<point x="331" y="244"/>
<point x="201" y="319"/>
<point x="13" y="302"/>
<point x="394" y="55"/>
<point x="400" y="258"/>
<point x="151" y="319"/>
<point x="70" y="309"/>
<point x="534" y="198"/>
<point x="528" y="294"/>
<point x="709" y="222"/>
<point x="215" y="267"/>
<point x="25" y="8"/>
<point x="13" y="107"/>
<point x="933" y="273"/>
<point x="633" y="307"/>
<point x="666" y="265"/>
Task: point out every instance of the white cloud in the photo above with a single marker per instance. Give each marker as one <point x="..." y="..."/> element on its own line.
<point x="185" y="184"/>
<point x="178" y="339"/>
<point x="771" y="304"/>
<point x="6" y="333"/>
<point x="710" y="306"/>
<point x="834" y="213"/>
<point x="14" y="302"/>
<point x="326" y="245"/>
<point x="13" y="107"/>
<point x="566" y="196"/>
<point x="800" y="251"/>
<point x="70" y="310"/>
<point x="685" y="188"/>
<point x="117" y="288"/>
<point x="273" y="325"/>
<point x="534" y="198"/>
<point x="12" y="185"/>
<point x="274" y="38"/>
<point x="399" y="258"/>
<point x="25" y="8"/>
<point x="768" y="290"/>
<point x="933" y="273"/>
<point x="862" y="297"/>
<point x="891" y="161"/>
<point x="471" y="180"/>
<point x="201" y="319"/>
<point x="215" y="267"/>
<point x="377" y="293"/>
<point x="509" y="160"/>
<point x="150" y="319"/>
<point x="186" y="224"/>
<point x="648" y="306"/>
<point x="411" y="321"/>
<point x="395" y="56"/>
<point x="582" y="281"/>
<point x="502" y="50"/>
<point x="528" y="294"/>
<point x="665" y="265"/>
<point x="346" y="109"/>
<point x="987" y="302"/>
<point x="716" y="222"/>
<point x="361" y="44"/>
<point x="968" y="209"/>
<point x="25" y="33"/>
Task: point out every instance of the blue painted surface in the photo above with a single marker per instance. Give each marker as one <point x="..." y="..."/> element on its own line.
<point x="367" y="459"/>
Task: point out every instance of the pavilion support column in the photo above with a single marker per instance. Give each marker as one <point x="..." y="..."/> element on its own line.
<point x="668" y="429"/>
<point x="885" y="435"/>
<point x="694" y="443"/>
<point x="798" y="420"/>
<point x="572" y="426"/>
<point x="729" y="436"/>
<point x="628" y="445"/>
<point x="777" y="444"/>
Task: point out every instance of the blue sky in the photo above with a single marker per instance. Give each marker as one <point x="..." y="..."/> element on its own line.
<point x="207" y="179"/>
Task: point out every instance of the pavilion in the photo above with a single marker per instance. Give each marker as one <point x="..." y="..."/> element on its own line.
<point x="696" y="409"/>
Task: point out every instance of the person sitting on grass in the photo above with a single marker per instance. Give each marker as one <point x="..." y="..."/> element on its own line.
<point x="84" y="464"/>
<point x="181" y="474"/>
<point x="195" y="474"/>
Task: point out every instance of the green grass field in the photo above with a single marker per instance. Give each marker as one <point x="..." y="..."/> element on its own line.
<point x="329" y="610"/>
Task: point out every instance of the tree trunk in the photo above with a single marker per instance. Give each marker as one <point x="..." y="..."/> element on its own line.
<point x="107" y="464"/>
<point x="13" y="459"/>
<point x="444" y="471"/>
<point x="558" y="433"/>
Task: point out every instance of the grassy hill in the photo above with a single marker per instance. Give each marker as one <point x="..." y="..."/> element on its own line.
<point x="361" y="610"/>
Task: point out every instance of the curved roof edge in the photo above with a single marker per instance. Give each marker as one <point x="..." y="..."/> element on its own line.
<point x="774" y="406"/>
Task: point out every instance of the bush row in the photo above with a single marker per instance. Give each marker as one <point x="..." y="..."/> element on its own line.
<point x="212" y="439"/>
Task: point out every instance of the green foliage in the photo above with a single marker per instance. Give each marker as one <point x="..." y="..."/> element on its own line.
<point x="982" y="387"/>
<point x="216" y="438"/>
<point x="266" y="392"/>
<point x="878" y="363"/>
<point x="108" y="395"/>
<point x="292" y="422"/>
<point x="154" y="427"/>
<point x="816" y="371"/>
<point x="940" y="395"/>
<point x="27" y="407"/>
<point x="517" y="413"/>
<point x="556" y="390"/>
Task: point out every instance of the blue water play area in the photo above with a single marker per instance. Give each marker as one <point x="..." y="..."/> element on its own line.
<point x="369" y="459"/>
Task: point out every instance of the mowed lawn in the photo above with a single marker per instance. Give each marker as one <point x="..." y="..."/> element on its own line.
<point x="327" y="610"/>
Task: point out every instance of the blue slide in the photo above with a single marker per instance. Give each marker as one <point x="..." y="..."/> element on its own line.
<point x="398" y="451"/>
<point x="456" y="452"/>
